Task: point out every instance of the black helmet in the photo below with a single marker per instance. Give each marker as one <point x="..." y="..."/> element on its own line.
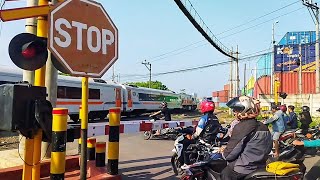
<point x="164" y="104"/>
<point x="305" y="108"/>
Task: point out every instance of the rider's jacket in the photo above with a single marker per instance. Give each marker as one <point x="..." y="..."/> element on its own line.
<point x="208" y="127"/>
<point x="248" y="147"/>
<point x="278" y="124"/>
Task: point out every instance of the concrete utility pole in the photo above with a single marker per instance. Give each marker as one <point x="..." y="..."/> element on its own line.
<point x="149" y="68"/>
<point x="272" y="59"/>
<point x="315" y="10"/>
<point x="244" y="79"/>
<point x="51" y="78"/>
<point x="231" y="78"/>
<point x="237" y="73"/>
<point x="300" y="70"/>
<point x="31" y="27"/>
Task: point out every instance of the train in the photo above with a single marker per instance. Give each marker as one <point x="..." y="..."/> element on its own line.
<point x="103" y="95"/>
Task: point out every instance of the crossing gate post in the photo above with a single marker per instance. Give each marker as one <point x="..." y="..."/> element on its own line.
<point x="59" y="139"/>
<point x="100" y="154"/>
<point x="113" y="144"/>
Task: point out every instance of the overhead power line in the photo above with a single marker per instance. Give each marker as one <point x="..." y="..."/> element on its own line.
<point x="178" y="50"/>
<point x="250" y="56"/>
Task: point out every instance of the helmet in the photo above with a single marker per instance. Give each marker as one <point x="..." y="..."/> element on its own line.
<point x="305" y="108"/>
<point x="283" y="108"/>
<point x="164" y="104"/>
<point x="207" y="106"/>
<point x="246" y="107"/>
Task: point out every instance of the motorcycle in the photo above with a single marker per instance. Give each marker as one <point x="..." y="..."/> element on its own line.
<point x="210" y="170"/>
<point x="167" y="133"/>
<point x="199" y="150"/>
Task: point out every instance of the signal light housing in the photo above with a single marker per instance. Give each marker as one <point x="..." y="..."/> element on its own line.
<point x="28" y="51"/>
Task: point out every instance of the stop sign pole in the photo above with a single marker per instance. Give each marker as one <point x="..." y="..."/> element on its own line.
<point x="85" y="44"/>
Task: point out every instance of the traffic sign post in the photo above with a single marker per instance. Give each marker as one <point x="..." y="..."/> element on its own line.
<point x="84" y="44"/>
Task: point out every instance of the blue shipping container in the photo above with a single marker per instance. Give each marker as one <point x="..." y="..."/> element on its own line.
<point x="300" y="37"/>
<point x="264" y="65"/>
<point x="286" y="57"/>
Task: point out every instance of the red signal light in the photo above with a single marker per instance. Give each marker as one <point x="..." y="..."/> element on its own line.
<point x="29" y="52"/>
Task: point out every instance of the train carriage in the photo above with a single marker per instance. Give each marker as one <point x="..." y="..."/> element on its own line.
<point x="104" y="95"/>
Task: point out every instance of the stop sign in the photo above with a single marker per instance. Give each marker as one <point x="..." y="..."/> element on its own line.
<point x="83" y="38"/>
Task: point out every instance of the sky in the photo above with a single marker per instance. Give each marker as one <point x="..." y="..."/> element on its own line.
<point x="157" y="31"/>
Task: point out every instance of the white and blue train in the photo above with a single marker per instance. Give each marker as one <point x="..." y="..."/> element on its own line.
<point x="104" y="95"/>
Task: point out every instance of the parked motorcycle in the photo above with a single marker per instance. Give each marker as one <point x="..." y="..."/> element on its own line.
<point x="200" y="150"/>
<point x="210" y="170"/>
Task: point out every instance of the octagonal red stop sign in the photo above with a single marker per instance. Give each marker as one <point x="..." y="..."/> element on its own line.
<point x="83" y="37"/>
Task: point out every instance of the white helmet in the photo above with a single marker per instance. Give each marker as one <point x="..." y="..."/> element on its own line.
<point x="245" y="107"/>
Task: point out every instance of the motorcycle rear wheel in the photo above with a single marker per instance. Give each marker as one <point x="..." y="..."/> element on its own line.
<point x="147" y="135"/>
<point x="176" y="164"/>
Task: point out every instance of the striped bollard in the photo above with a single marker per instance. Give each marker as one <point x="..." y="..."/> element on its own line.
<point x="59" y="139"/>
<point x="113" y="144"/>
<point x="101" y="154"/>
<point x="79" y="140"/>
<point x="91" y="151"/>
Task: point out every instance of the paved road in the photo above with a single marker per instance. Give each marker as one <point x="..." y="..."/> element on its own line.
<point x="150" y="159"/>
<point x="139" y="158"/>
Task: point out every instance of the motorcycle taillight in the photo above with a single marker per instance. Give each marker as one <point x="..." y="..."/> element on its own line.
<point x="296" y="177"/>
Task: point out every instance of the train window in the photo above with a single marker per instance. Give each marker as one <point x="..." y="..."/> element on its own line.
<point x="5" y="82"/>
<point x="151" y="97"/>
<point x="64" y="92"/>
<point x="61" y="92"/>
<point x="94" y="93"/>
<point x="73" y="93"/>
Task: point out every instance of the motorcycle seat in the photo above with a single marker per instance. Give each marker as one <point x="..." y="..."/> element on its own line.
<point x="262" y="173"/>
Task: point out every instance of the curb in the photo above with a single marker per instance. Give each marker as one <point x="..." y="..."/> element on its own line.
<point x="15" y="173"/>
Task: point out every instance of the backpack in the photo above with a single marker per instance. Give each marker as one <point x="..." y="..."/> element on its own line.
<point x="210" y="130"/>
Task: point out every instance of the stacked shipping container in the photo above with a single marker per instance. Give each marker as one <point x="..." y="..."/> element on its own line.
<point x="289" y="83"/>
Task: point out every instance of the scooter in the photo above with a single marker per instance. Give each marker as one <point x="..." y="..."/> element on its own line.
<point x="199" y="149"/>
<point x="210" y="170"/>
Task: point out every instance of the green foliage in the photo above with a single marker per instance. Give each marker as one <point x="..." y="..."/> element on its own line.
<point x="63" y="74"/>
<point x="154" y="85"/>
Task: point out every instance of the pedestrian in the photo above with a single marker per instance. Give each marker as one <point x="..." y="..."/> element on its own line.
<point x="293" y="119"/>
<point x="278" y="127"/>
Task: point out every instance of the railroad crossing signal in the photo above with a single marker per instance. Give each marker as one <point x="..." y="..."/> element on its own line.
<point x="28" y="51"/>
<point x="86" y="43"/>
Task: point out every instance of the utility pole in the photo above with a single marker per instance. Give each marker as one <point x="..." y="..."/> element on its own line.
<point x="113" y="73"/>
<point x="51" y="79"/>
<point x="231" y="77"/>
<point x="148" y="66"/>
<point x="237" y="74"/>
<point x="244" y="79"/>
<point x="315" y="10"/>
<point x="272" y="59"/>
<point x="31" y="27"/>
<point x="300" y="70"/>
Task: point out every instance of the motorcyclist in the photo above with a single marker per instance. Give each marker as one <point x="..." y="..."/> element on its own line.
<point x="250" y="143"/>
<point x="166" y="115"/>
<point x="164" y="111"/>
<point x="207" y="129"/>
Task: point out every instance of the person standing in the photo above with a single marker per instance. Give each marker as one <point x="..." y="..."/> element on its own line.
<point x="278" y="127"/>
<point x="293" y="119"/>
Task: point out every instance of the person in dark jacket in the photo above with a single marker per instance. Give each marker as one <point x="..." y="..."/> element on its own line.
<point x="305" y="119"/>
<point x="250" y="142"/>
<point x="293" y="119"/>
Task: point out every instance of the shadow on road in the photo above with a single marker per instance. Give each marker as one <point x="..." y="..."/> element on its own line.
<point x="148" y="169"/>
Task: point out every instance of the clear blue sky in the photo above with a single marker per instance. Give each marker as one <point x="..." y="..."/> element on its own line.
<point x="150" y="28"/>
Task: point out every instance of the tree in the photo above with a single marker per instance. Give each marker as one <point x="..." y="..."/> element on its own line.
<point x="154" y="85"/>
